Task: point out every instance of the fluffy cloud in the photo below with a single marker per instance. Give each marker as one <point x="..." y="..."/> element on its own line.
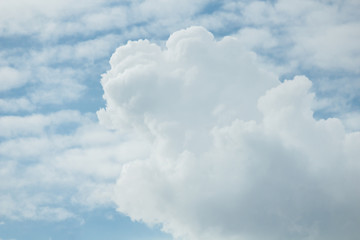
<point x="235" y="154"/>
<point x="143" y="75"/>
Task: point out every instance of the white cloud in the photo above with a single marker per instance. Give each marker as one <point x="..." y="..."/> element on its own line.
<point x="35" y="124"/>
<point x="189" y="55"/>
<point x="329" y="47"/>
<point x="89" y="51"/>
<point x="318" y="33"/>
<point x="255" y="38"/>
<point x="51" y="20"/>
<point x="11" y="105"/>
<point x="56" y="85"/>
<point x="21" y="17"/>
<point x="66" y="152"/>
<point x="11" y="78"/>
<point x="235" y="154"/>
<point x="57" y="74"/>
<point x="352" y="121"/>
<point x="30" y="208"/>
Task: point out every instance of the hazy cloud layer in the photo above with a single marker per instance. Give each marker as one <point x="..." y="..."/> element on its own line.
<point x="235" y="154"/>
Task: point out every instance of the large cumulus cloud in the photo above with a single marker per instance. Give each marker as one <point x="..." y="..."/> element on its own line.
<point x="235" y="154"/>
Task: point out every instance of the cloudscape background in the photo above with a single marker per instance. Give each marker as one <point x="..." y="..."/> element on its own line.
<point x="189" y="120"/>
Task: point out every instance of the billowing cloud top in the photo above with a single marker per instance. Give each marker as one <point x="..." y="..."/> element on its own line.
<point x="187" y="88"/>
<point x="235" y="153"/>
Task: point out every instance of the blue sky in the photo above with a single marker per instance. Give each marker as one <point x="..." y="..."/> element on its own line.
<point x="151" y="119"/>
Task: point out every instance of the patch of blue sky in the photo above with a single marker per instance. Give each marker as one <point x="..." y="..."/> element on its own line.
<point x="210" y="7"/>
<point x="104" y="223"/>
<point x="232" y="29"/>
<point x="24" y="42"/>
<point x="337" y="82"/>
<point x="91" y="102"/>
<point x="117" y="3"/>
<point x="15" y="92"/>
<point x="337" y="86"/>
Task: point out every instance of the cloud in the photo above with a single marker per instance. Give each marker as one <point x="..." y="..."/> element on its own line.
<point x="56" y="86"/>
<point x="11" y="105"/>
<point x="14" y="126"/>
<point x="139" y="81"/>
<point x="317" y="33"/>
<point x="51" y="20"/>
<point x="10" y="78"/>
<point x="89" y="51"/>
<point x="52" y="164"/>
<point x="352" y="121"/>
<point x="53" y="75"/>
<point x="234" y="153"/>
<point x="256" y="38"/>
<point x="20" y="17"/>
<point x="19" y="209"/>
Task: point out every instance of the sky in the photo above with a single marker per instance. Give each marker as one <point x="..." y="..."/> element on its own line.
<point x="179" y="120"/>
